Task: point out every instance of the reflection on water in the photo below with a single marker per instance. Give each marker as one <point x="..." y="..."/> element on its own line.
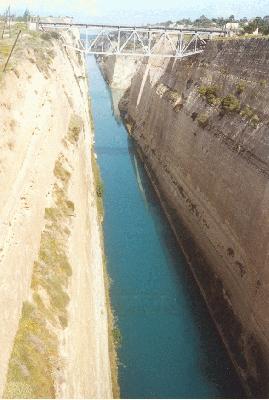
<point x="116" y="95"/>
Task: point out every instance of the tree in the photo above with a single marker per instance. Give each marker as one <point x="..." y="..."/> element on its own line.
<point x="167" y="23"/>
<point x="259" y="23"/>
<point x="203" y="21"/>
<point x="184" y="21"/>
<point x="26" y="15"/>
<point x="221" y="22"/>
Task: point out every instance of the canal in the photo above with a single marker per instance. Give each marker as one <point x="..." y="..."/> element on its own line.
<point x="170" y="347"/>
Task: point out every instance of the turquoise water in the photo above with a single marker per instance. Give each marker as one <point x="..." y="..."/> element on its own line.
<point x="170" y="347"/>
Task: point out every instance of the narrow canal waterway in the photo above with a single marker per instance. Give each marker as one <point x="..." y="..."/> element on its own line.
<point x="170" y="347"/>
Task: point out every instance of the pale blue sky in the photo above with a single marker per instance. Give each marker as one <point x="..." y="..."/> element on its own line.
<point x="141" y="11"/>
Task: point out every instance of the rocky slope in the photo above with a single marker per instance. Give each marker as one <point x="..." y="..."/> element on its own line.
<point x="201" y="125"/>
<point x="54" y="325"/>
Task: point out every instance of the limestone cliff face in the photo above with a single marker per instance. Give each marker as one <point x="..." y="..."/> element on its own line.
<point x="115" y="71"/>
<point x="202" y="129"/>
<point x="54" y="324"/>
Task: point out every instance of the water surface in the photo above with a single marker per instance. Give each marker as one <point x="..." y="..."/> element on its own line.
<point x="170" y="347"/>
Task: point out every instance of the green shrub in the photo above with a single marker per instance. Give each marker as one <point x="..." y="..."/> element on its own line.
<point x="203" y="120"/>
<point x="247" y="112"/>
<point x="45" y="36"/>
<point x="210" y="94"/>
<point x="240" y="87"/>
<point x="202" y="90"/>
<point x="75" y="127"/>
<point x="230" y="103"/>
<point x="60" y="172"/>
<point x="55" y="35"/>
<point x="116" y="336"/>
<point x="100" y="189"/>
<point x="80" y="60"/>
<point x="50" y="35"/>
<point x="33" y="358"/>
<point x="250" y="114"/>
<point x="255" y="120"/>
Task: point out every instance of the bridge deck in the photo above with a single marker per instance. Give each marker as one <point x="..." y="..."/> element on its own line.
<point x="132" y="27"/>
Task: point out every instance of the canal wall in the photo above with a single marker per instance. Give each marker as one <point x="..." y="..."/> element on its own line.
<point x="54" y="323"/>
<point x="118" y="71"/>
<point x="201" y="129"/>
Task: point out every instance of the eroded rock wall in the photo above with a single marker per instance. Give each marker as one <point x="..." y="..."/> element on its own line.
<point x="54" y="325"/>
<point x="201" y="128"/>
<point x="119" y="70"/>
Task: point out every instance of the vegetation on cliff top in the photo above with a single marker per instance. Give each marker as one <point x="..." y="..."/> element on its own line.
<point x="35" y="47"/>
<point x="262" y="24"/>
<point x="241" y="25"/>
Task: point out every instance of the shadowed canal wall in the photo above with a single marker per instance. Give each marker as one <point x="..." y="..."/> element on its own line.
<point x="201" y="129"/>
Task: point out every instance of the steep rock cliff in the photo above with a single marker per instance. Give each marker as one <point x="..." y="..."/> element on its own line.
<point x="54" y="325"/>
<point x="115" y="72"/>
<point x="201" y="125"/>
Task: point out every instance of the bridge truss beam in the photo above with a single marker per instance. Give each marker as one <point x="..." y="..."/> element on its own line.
<point x="138" y="41"/>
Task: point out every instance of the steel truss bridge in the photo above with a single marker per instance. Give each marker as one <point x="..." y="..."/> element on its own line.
<point x="137" y="41"/>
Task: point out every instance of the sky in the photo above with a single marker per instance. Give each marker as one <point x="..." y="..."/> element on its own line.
<point x="139" y="11"/>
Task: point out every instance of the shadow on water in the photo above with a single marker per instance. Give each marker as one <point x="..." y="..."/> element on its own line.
<point x="170" y="347"/>
<point x="215" y="355"/>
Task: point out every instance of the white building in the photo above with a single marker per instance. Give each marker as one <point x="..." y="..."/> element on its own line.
<point x="34" y="21"/>
<point x="232" y="26"/>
